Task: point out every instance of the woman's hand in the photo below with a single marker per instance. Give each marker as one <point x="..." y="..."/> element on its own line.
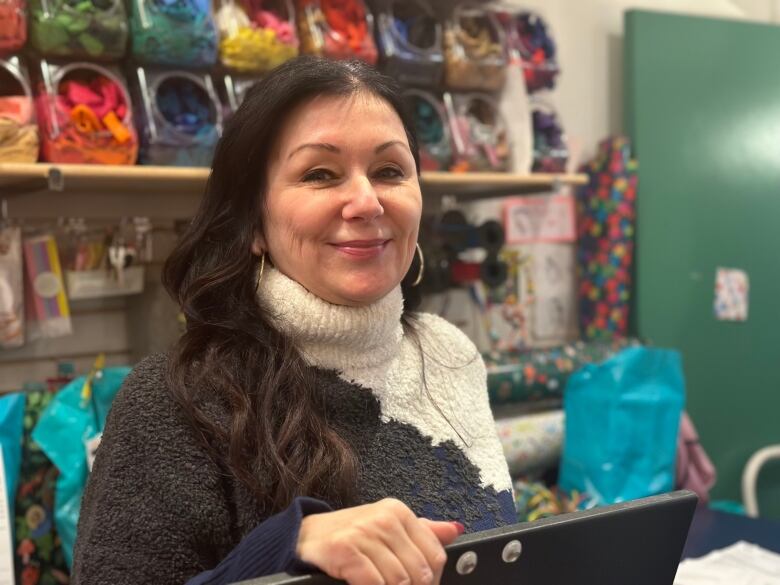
<point x="377" y="544"/>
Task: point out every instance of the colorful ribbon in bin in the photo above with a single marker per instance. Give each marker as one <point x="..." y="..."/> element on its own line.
<point x="336" y="28"/>
<point x="87" y="121"/>
<point x="537" y="51"/>
<point x="174" y="32"/>
<point x="550" y="151"/>
<point x="79" y="28"/>
<point x="254" y="38"/>
<point x="432" y="131"/>
<point x="13" y="25"/>
<point x="18" y="130"/>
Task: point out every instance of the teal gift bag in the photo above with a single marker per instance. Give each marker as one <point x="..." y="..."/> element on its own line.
<point x="11" y="428"/>
<point x="66" y="430"/>
<point x="622" y="420"/>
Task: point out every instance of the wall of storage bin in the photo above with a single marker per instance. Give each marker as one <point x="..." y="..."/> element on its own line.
<point x="152" y="81"/>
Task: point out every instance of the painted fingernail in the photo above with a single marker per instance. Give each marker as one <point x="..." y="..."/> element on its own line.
<point x="460" y="527"/>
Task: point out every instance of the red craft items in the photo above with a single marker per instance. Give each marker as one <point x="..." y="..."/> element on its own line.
<point x="87" y="120"/>
<point x="336" y="28"/>
<point x="13" y="25"/>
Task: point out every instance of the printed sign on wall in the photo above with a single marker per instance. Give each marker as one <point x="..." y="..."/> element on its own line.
<point x="540" y="219"/>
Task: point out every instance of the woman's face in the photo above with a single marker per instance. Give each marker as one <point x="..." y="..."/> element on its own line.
<point x="343" y="203"/>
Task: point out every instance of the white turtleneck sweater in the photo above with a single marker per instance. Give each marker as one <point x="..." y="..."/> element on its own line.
<point x="412" y="404"/>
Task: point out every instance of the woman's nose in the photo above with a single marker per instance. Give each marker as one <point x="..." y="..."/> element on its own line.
<point x="362" y="201"/>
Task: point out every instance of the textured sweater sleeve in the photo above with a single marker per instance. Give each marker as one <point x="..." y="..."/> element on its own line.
<point x="155" y="510"/>
<point x="268" y="549"/>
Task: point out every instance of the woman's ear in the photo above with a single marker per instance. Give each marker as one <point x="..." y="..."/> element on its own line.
<point x="258" y="244"/>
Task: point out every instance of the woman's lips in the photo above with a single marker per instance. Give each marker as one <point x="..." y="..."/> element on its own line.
<point x="361" y="249"/>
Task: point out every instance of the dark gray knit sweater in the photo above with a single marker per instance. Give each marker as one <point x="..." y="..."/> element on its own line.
<point x="158" y="510"/>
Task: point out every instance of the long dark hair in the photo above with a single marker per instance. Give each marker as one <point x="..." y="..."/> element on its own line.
<point x="278" y="442"/>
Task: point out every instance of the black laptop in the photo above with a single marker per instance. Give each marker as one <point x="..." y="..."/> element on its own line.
<point x="634" y="543"/>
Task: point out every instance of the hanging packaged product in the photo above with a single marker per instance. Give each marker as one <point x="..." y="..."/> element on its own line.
<point x="11" y="288"/>
<point x="410" y="41"/>
<point x="530" y="45"/>
<point x="48" y="311"/>
<point x="550" y="151"/>
<point x="85" y="115"/>
<point x="234" y="89"/>
<point x="433" y="132"/>
<point x="340" y="29"/>
<point x="256" y="35"/>
<point x="180" y="33"/>
<point x="479" y="133"/>
<point x="18" y="130"/>
<point x="182" y="117"/>
<point x="94" y="29"/>
<point x="474" y="57"/>
<point x="13" y="25"/>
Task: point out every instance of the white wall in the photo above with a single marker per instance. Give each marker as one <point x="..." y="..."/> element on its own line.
<point x="589" y="34"/>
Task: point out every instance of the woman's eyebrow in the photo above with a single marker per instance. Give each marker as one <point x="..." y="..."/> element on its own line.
<point x="317" y="145"/>
<point x="387" y="145"/>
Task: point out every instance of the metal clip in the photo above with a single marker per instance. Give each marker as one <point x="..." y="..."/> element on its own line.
<point x="56" y="179"/>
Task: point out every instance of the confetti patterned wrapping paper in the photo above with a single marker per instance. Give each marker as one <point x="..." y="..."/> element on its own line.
<point x="606" y="219"/>
<point x="531" y="441"/>
<point x="531" y="376"/>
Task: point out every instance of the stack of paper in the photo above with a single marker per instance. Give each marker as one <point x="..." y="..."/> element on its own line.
<point x="740" y="564"/>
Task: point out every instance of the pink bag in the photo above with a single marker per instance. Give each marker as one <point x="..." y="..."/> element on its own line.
<point x="695" y="471"/>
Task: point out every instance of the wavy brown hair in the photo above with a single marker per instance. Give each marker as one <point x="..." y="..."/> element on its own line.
<point x="278" y="441"/>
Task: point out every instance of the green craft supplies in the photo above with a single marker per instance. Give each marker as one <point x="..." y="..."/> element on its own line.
<point x="93" y="29"/>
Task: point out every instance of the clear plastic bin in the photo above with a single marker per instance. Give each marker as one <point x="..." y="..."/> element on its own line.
<point x="474" y="50"/>
<point x="18" y="130"/>
<point x="410" y="42"/>
<point x="529" y="44"/>
<point x="91" y="29"/>
<point x="13" y="25"/>
<point x="550" y="151"/>
<point x="234" y="89"/>
<point x="256" y="35"/>
<point x="85" y="115"/>
<point x="339" y="29"/>
<point x="433" y="132"/>
<point x="180" y="33"/>
<point x="479" y="133"/>
<point x="181" y="117"/>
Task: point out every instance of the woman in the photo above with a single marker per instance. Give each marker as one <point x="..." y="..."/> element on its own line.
<point x="306" y="419"/>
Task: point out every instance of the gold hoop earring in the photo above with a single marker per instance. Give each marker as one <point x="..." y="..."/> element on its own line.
<point x="422" y="266"/>
<point x="262" y="268"/>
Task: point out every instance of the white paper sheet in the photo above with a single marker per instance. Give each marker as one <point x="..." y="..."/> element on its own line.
<point x="6" y="544"/>
<point x="742" y="563"/>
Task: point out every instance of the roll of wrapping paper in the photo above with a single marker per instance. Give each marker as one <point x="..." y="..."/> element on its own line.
<point x="184" y="122"/>
<point x="479" y="133"/>
<point x="541" y="375"/>
<point x="47" y="306"/>
<point x="94" y="29"/>
<point x="474" y="53"/>
<point x="606" y="218"/>
<point x="85" y="116"/>
<point x="254" y="36"/>
<point x="409" y="39"/>
<point x="18" y="130"/>
<point x="534" y="500"/>
<point x="531" y="441"/>
<point x="13" y="25"/>
<point x="173" y="32"/>
<point x="550" y="151"/>
<point x="340" y="29"/>
<point x="433" y="133"/>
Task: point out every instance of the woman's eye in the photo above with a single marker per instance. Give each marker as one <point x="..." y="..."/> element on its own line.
<point x="318" y="176"/>
<point x="389" y="173"/>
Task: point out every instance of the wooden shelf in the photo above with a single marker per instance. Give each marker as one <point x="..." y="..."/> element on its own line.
<point x="17" y="178"/>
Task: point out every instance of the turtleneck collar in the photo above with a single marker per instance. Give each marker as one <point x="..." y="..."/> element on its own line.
<point x="334" y="336"/>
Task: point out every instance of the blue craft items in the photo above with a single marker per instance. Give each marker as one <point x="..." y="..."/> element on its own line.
<point x="433" y="133"/>
<point x="11" y="429"/>
<point x="182" y="118"/>
<point x="550" y="151"/>
<point x="410" y="42"/>
<point x="622" y="421"/>
<point x="181" y="33"/>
